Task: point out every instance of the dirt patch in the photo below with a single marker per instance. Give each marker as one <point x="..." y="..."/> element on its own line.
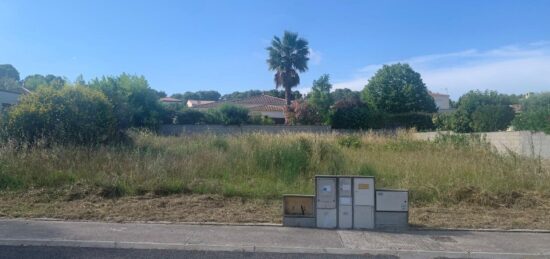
<point x="90" y="205"/>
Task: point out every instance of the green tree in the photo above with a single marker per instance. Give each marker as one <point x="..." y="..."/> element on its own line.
<point x="488" y="118"/>
<point x="287" y="57"/>
<point x="241" y="95"/>
<point x="8" y="71"/>
<point x="344" y="94"/>
<point x="75" y="115"/>
<point x="296" y="95"/>
<point x="135" y="103"/>
<point x="398" y="88"/>
<point x="32" y="82"/>
<point x="230" y="114"/>
<point x="320" y="97"/>
<point x="9" y="78"/>
<point x="535" y="114"/>
<point x="200" y="95"/>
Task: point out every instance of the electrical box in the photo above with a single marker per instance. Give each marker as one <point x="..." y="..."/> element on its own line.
<point x="326" y="210"/>
<point x="392" y="200"/>
<point x="392" y="208"/>
<point x="326" y="192"/>
<point x="345" y="209"/>
<point x="363" y="203"/>
<point x="363" y="191"/>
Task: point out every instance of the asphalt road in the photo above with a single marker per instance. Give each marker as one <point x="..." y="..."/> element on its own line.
<point x="44" y="252"/>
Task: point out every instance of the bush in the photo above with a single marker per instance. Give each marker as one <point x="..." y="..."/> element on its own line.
<point x="418" y="120"/>
<point x="76" y="115"/>
<point x="352" y="114"/>
<point x="261" y="120"/>
<point x="535" y="113"/>
<point x="189" y="116"/>
<point x="488" y="118"/>
<point x="306" y="114"/>
<point x="229" y="114"/>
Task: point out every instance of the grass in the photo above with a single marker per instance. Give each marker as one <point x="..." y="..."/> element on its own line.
<point x="262" y="166"/>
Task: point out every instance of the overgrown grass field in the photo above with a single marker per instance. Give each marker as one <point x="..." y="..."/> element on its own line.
<point x="451" y="170"/>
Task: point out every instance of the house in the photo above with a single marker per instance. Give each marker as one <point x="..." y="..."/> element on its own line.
<point x="263" y="105"/>
<point x="193" y="103"/>
<point x="441" y="101"/>
<point x="8" y="98"/>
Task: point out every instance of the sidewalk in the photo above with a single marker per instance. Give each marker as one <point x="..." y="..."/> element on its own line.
<point x="409" y="244"/>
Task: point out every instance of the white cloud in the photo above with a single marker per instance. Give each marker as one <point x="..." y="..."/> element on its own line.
<point x="509" y="69"/>
<point x="314" y="57"/>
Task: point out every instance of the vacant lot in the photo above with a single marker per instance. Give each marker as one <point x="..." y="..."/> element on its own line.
<point x="454" y="182"/>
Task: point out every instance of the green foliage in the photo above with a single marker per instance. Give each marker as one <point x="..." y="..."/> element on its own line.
<point x="479" y="111"/>
<point x="241" y="95"/>
<point x="200" y="95"/>
<point x="32" y="82"/>
<point x="320" y="97"/>
<point x="295" y="95"/>
<point x="398" y="89"/>
<point x="261" y="120"/>
<point x="353" y="114"/>
<point x="350" y="141"/>
<point x="535" y="114"/>
<point x="229" y="114"/>
<point x="306" y="114"/>
<point x="488" y="118"/>
<point x="8" y="71"/>
<point x="345" y="94"/>
<point x="135" y="103"/>
<point x="76" y="115"/>
<point x="287" y="57"/>
<point x="189" y="116"/>
<point x="419" y="120"/>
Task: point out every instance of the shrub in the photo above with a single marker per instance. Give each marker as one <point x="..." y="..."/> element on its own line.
<point x="352" y="114"/>
<point x="418" y="120"/>
<point x="261" y="120"/>
<point x="535" y="113"/>
<point x="350" y="141"/>
<point x="492" y="118"/>
<point x="229" y="114"/>
<point x="189" y="116"/>
<point x="306" y="113"/>
<point x="76" y="115"/>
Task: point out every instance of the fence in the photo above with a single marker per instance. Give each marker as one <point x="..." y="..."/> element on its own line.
<point x="526" y="143"/>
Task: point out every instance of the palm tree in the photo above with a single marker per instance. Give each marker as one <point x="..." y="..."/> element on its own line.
<point x="287" y="57"/>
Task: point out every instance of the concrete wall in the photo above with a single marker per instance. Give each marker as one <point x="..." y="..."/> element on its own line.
<point x="525" y="143"/>
<point x="176" y="130"/>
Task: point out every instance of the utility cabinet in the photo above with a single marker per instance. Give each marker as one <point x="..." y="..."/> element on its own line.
<point x="345" y="203"/>
<point x="392" y="208"/>
<point x="363" y="203"/>
<point x="326" y="202"/>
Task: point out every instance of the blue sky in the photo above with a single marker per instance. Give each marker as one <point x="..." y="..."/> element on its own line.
<point x="220" y="45"/>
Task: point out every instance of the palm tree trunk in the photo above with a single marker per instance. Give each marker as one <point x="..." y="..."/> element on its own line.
<point x="289" y="112"/>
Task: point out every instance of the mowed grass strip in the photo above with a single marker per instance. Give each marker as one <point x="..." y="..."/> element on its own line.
<point x="452" y="170"/>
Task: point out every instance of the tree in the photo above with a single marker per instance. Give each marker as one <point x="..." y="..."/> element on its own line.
<point x="9" y="78"/>
<point x="295" y="95"/>
<point x="320" y="97"/>
<point x="288" y="57"/>
<point x="200" y="95"/>
<point x="398" y="88"/>
<point x="535" y="114"/>
<point x="241" y="95"/>
<point x="135" y="103"/>
<point x="307" y="114"/>
<point x="8" y="71"/>
<point x="230" y="114"/>
<point x="75" y="115"/>
<point x="354" y="114"/>
<point x="32" y="82"/>
<point x="344" y="94"/>
<point x="487" y="118"/>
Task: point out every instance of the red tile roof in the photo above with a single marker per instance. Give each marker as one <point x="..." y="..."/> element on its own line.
<point x="252" y="102"/>
<point x="170" y="100"/>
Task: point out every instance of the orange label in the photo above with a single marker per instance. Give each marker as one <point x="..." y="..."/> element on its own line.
<point x="363" y="186"/>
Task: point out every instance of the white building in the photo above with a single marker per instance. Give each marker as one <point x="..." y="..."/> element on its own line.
<point x="441" y="101"/>
<point x="193" y="103"/>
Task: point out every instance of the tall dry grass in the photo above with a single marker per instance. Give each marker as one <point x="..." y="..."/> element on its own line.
<point x="266" y="166"/>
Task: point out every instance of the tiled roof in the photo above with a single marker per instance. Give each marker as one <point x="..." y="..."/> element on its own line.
<point x="267" y="108"/>
<point x="255" y="101"/>
<point x="170" y="100"/>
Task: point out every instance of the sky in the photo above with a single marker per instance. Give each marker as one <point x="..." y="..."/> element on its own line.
<point x="221" y="45"/>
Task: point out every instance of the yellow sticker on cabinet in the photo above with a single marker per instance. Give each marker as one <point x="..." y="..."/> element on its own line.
<point x="363" y="186"/>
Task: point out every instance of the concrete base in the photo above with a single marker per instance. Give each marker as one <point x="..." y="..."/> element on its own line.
<point x="304" y="222"/>
<point x="390" y="219"/>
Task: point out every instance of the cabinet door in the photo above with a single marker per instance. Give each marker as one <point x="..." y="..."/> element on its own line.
<point x="363" y="191"/>
<point x="326" y="193"/>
